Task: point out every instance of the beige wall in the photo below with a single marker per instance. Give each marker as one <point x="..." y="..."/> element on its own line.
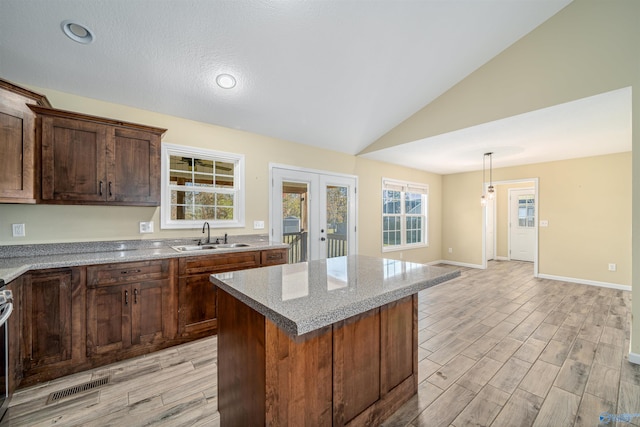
<point x="52" y="223"/>
<point x="586" y="201"/>
<point x="589" y="47"/>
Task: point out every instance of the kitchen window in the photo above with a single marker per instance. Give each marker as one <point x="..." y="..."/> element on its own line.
<point x="201" y="185"/>
<point x="404" y="215"/>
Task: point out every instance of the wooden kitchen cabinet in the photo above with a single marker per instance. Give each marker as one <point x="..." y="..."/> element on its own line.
<point x="17" y="143"/>
<point x="197" y="295"/>
<point x="15" y="353"/>
<point x="130" y="308"/>
<point x="52" y="321"/>
<point x="92" y="160"/>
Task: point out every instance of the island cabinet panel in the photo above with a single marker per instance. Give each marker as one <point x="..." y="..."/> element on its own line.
<point x="242" y="367"/>
<point x="356" y="361"/>
<point x="337" y="375"/>
<point x="398" y="320"/>
<point x="298" y="378"/>
<point x="53" y="320"/>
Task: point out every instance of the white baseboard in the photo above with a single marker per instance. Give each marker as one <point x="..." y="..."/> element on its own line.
<point x="586" y="282"/>
<point x="458" y="264"/>
<point x="634" y="358"/>
<point x="502" y="258"/>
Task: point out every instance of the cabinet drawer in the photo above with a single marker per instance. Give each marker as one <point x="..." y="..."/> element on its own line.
<point x="117" y="274"/>
<point x="274" y="256"/>
<point x="218" y="263"/>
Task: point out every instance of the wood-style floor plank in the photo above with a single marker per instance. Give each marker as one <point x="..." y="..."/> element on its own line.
<point x="497" y="347"/>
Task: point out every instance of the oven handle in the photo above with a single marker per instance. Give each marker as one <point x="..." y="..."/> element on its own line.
<point x="7" y="309"/>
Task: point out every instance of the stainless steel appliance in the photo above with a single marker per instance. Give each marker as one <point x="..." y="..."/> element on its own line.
<point x="6" y="308"/>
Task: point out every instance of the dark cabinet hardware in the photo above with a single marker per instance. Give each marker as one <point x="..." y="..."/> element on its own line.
<point x="110" y="193"/>
<point x="101" y="188"/>
<point x="126" y="297"/>
<point x="135" y="296"/>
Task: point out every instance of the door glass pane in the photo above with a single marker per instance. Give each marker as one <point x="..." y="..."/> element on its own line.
<point x="526" y="211"/>
<point x="295" y="208"/>
<point x="337" y="224"/>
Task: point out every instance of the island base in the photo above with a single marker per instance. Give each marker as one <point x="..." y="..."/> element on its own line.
<point x="357" y="371"/>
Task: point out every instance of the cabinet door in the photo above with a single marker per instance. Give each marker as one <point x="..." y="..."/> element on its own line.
<point x="197" y="299"/>
<point x="149" y="304"/>
<point x="16" y="152"/>
<point x="133" y="167"/>
<point x="108" y="319"/>
<point x="48" y="309"/>
<point x="73" y="160"/>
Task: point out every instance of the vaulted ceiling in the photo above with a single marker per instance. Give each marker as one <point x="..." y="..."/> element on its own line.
<point x="336" y="74"/>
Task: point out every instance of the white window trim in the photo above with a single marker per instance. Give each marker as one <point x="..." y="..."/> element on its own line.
<point x="165" y="205"/>
<point x="413" y="187"/>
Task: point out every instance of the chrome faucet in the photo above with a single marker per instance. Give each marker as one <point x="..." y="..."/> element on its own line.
<point x="206" y="225"/>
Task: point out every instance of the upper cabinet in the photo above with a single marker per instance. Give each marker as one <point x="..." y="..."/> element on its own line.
<point x="92" y="160"/>
<point x="18" y="182"/>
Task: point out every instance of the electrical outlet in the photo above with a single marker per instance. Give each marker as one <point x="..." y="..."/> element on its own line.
<point x="450" y="250"/>
<point x="612" y="267"/>
<point x="146" y="227"/>
<point x="258" y="225"/>
<point x="18" y="230"/>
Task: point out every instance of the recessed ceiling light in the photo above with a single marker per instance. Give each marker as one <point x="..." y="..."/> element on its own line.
<point x="226" y="81"/>
<point x="77" y="32"/>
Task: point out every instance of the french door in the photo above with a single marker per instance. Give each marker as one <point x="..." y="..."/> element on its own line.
<point x="314" y="212"/>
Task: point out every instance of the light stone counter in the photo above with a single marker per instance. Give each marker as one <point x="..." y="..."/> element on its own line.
<point x="303" y="297"/>
<point x="17" y="260"/>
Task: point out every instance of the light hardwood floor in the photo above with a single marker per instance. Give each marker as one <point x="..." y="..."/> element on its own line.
<point x="497" y="348"/>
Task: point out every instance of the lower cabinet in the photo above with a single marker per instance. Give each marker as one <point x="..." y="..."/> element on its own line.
<point x="53" y="330"/>
<point x="197" y="299"/>
<point x="130" y="307"/>
<point x="68" y="320"/>
<point x="197" y="295"/>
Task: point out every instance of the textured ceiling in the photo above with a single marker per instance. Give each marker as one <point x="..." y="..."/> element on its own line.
<point x="336" y="74"/>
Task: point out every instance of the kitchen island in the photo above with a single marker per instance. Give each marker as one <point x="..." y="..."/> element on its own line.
<point x="327" y="342"/>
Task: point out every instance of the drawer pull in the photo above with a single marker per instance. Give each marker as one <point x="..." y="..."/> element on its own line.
<point x="126" y="297"/>
<point x="130" y="271"/>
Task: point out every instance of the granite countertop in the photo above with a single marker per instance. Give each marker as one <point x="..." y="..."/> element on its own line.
<point x="303" y="297"/>
<point x="17" y="260"/>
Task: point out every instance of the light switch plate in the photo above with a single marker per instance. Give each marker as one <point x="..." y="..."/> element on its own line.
<point x="258" y="225"/>
<point x="544" y="223"/>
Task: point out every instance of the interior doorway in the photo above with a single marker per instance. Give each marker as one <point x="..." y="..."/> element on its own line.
<point x="522" y="224"/>
<point x="496" y="241"/>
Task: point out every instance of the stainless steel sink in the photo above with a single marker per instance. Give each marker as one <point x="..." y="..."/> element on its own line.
<point x="196" y="248"/>
<point x="231" y="245"/>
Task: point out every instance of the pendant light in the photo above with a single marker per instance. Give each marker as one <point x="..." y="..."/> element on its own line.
<point x="490" y="189"/>
<point x="491" y="192"/>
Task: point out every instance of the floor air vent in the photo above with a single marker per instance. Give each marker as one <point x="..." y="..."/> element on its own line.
<point x="61" y="394"/>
